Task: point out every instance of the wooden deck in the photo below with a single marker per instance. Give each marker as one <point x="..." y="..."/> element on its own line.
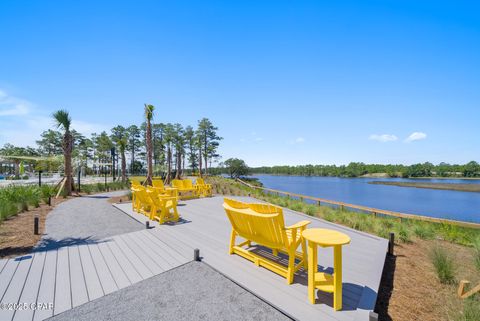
<point x="206" y="227"/>
<point x="61" y="279"/>
<point x="76" y="274"/>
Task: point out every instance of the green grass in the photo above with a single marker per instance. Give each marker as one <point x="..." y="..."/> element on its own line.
<point x="443" y="264"/>
<point x="471" y="310"/>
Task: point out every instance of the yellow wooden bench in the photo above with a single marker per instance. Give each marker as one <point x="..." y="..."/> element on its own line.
<point x="264" y="225"/>
<point x="185" y="188"/>
<point x="169" y="191"/>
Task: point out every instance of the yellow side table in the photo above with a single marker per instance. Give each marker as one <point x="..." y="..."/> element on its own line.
<point x="324" y="281"/>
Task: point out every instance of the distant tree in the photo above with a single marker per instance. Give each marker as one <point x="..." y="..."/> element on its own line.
<point x="209" y="140"/>
<point x="169" y="136"/>
<point x="63" y="120"/>
<point x="149" y="109"/>
<point x="120" y="138"/>
<point x="236" y="167"/>
<point x="133" y="144"/>
<point x="179" y="143"/>
<point x="471" y="169"/>
<point x="50" y="143"/>
<point x="191" y="145"/>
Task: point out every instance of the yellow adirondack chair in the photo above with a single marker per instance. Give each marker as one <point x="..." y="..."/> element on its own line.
<point x="135" y="198"/>
<point x="203" y="188"/>
<point x="162" y="208"/>
<point x="142" y="203"/>
<point x="267" y="228"/>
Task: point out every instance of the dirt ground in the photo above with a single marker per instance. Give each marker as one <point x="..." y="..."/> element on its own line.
<point x="16" y="233"/>
<point x="410" y="289"/>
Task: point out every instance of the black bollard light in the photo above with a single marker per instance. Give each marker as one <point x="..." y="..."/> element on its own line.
<point x="147" y="225"/>
<point x="196" y="255"/>
<point x="35" y="225"/>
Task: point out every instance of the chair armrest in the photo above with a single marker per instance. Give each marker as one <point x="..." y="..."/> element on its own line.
<point x="298" y="225"/>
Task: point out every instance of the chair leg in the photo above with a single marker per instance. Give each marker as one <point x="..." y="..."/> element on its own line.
<point x="232" y="241"/>
<point x="304" y="255"/>
<point x="175" y="214"/>
<point x="291" y="266"/>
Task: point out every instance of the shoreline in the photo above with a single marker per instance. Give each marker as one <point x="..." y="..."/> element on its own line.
<point x="380" y="177"/>
<point x="473" y="188"/>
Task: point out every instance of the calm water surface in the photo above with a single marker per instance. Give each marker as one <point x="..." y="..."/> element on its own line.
<point x="464" y="206"/>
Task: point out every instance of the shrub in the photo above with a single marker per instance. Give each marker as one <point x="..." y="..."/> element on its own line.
<point x="310" y="210"/>
<point x="403" y="232"/>
<point x="443" y="264"/>
<point x="296" y="206"/>
<point x="476" y="253"/>
<point x="423" y="231"/>
<point x="47" y="191"/>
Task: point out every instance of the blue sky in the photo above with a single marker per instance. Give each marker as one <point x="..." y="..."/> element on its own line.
<point x="287" y="82"/>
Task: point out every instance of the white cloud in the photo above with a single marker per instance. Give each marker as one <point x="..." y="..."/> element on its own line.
<point x="415" y="136"/>
<point x="13" y="106"/>
<point x="383" y="138"/>
<point x="298" y="140"/>
<point x="22" y="122"/>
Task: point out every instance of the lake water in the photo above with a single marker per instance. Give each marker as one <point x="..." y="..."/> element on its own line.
<point x="464" y="206"/>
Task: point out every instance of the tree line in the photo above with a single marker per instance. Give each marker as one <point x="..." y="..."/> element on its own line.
<point x="354" y="169"/>
<point x="175" y="148"/>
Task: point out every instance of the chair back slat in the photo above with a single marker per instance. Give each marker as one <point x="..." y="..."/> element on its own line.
<point x="263" y="228"/>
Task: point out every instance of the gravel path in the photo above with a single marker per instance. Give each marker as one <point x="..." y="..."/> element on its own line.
<point x="84" y="219"/>
<point x="190" y="292"/>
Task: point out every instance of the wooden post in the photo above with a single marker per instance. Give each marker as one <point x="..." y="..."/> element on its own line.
<point x="319" y="203"/>
<point x="391" y="243"/>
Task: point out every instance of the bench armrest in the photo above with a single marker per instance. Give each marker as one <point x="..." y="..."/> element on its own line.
<point x="298" y="225"/>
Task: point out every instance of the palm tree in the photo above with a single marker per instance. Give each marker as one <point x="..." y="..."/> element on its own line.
<point x="63" y="120"/>
<point x="149" y="116"/>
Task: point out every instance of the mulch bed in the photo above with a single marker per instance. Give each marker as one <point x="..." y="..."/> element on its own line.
<point x="16" y="232"/>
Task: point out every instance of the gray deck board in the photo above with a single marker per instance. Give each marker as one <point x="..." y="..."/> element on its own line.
<point x="6" y="276"/>
<point x="142" y="269"/>
<point x="63" y="295"/>
<point x="104" y="274"/>
<point x="16" y="285"/>
<point x="3" y="262"/>
<point x="117" y="272"/>
<point x="94" y="287"/>
<point x="77" y="278"/>
<point x="127" y="266"/>
<point x="150" y="259"/>
<point x="32" y="285"/>
<point x="174" y="258"/>
<point x="46" y="293"/>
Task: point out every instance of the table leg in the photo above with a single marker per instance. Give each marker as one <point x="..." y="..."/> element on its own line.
<point x="312" y="269"/>
<point x="337" y="277"/>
